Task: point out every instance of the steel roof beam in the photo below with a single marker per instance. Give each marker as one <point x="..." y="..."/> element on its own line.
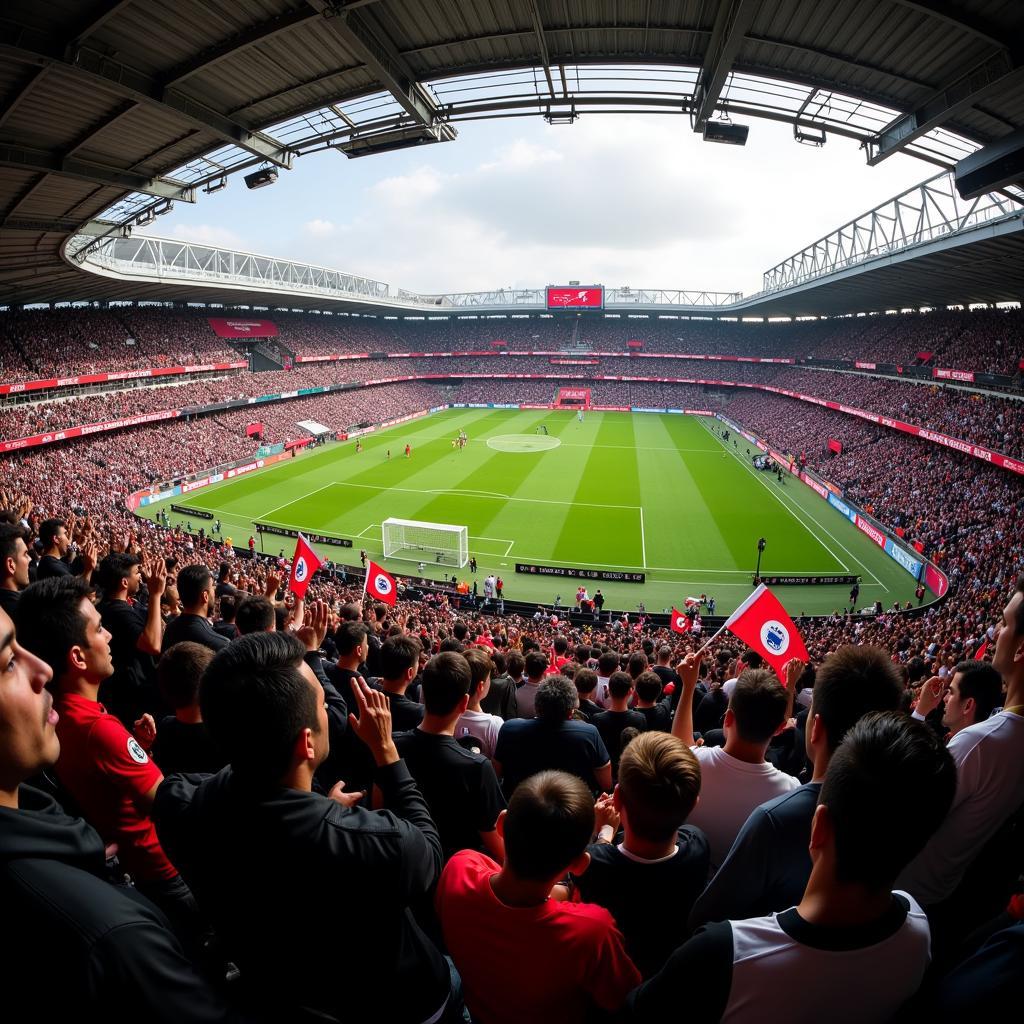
<point x="25" y="158"/>
<point x="236" y="44"/>
<point x="542" y="44"/>
<point x="381" y="56"/>
<point x="941" y="106"/>
<point x="733" y="19"/>
<point x="24" y="87"/>
<point x="39" y="50"/>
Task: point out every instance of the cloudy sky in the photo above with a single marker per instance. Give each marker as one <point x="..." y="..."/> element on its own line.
<point x="639" y="201"/>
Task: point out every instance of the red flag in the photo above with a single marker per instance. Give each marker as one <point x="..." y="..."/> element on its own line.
<point x="304" y="564"/>
<point x="762" y="623"/>
<point x="380" y="585"/>
<point x="679" y="622"/>
<point x="980" y="656"/>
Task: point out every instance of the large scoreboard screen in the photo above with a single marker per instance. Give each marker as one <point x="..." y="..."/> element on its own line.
<point x="574" y="297"/>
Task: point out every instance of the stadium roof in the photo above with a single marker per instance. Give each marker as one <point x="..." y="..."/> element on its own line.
<point x="114" y="109"/>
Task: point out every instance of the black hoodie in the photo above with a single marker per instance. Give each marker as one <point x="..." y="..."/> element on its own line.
<point x="72" y="945"/>
<point x="311" y="898"/>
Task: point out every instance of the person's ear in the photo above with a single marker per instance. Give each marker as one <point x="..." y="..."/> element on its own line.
<point x="499" y="825"/>
<point x="463" y="704"/>
<point x="580" y="864"/>
<point x="821" y="828"/>
<point x="730" y="719"/>
<point x="617" y="798"/>
<point x="306" y="746"/>
<point x="76" y="659"/>
<point x="818" y="734"/>
<point x="970" y="706"/>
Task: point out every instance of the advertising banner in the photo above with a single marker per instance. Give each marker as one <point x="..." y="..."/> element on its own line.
<point x="865" y="527"/>
<point x="935" y="580"/>
<point x="575" y="298"/>
<point x="242" y="327"/>
<point x="964" y="375"/>
<point x="578" y="573"/>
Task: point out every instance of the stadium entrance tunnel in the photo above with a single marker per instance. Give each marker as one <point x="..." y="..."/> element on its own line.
<point x="523" y="442"/>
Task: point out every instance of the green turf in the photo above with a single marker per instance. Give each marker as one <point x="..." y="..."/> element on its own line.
<point x="656" y="493"/>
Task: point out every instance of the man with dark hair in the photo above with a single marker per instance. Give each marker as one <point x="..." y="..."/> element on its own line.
<point x="852" y="944"/>
<point x="768" y="866"/>
<point x="225" y="625"/>
<point x="255" y="614"/>
<point x="492" y="913"/>
<point x="526" y="695"/>
<point x="459" y="786"/>
<point x="399" y="665"/>
<point x="135" y="630"/>
<point x="109" y="948"/>
<point x="105" y="769"/>
<point x="552" y="740"/>
<point x="585" y="681"/>
<point x="15" y="562"/>
<point x="972" y="694"/>
<point x="735" y="778"/>
<point x="657" y="710"/>
<point x="618" y="716"/>
<point x="55" y="543"/>
<point x="650" y="880"/>
<point x="183" y="743"/>
<point x="990" y="771"/>
<point x="195" y="589"/>
<point x="607" y="663"/>
<point x="259" y="846"/>
<point x="351" y="641"/>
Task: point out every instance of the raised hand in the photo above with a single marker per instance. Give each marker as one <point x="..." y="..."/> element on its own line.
<point x="373" y="726"/>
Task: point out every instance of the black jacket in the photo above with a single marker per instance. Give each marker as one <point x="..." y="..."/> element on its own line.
<point x="310" y="897"/>
<point x="76" y="947"/>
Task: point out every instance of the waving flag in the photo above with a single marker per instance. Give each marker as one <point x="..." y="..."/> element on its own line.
<point x="380" y="585"/>
<point x="679" y="622"/>
<point x="304" y="564"/>
<point x="762" y="623"/>
<point x="980" y="656"/>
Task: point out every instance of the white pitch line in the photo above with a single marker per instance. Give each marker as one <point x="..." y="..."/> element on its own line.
<point x="643" y="542"/>
<point x="301" y="497"/>
<point x="809" y="522"/>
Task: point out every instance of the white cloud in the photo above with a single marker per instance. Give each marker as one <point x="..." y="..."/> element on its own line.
<point x="319" y="228"/>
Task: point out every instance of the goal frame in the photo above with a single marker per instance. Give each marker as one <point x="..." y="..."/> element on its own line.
<point x="413" y="540"/>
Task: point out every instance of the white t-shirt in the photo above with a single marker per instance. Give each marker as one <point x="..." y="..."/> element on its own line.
<point x="989" y="758"/>
<point x="483" y="727"/>
<point x="601" y="696"/>
<point x="728" y="686"/>
<point x="729" y="790"/>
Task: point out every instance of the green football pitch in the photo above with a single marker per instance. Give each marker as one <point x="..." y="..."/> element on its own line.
<point x="658" y="494"/>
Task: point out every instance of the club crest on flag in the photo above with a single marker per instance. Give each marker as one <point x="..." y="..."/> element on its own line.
<point x="301" y="569"/>
<point x="304" y="564"/>
<point x="775" y="637"/>
<point x="383" y="585"/>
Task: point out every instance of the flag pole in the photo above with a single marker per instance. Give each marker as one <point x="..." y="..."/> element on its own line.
<point x="712" y="639"/>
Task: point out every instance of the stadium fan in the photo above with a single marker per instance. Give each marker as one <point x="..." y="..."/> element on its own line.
<point x="491" y="913"/>
<point x="526" y="694"/>
<point x="890" y="777"/>
<point x="196" y="590"/>
<point x="114" y="954"/>
<point x="475" y="722"/>
<point x="618" y="716"/>
<point x="735" y="778"/>
<point x="768" y="865"/>
<point x="256" y="843"/>
<point x="15" y="564"/>
<point x="969" y="695"/>
<point x="399" y="666"/>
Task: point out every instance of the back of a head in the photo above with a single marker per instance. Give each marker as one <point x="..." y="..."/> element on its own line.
<point x="648" y="685"/>
<point x="979" y="681"/>
<point x="193" y="580"/>
<point x="664" y="654"/>
<point x="255" y="703"/>
<point x="556" y="699"/>
<point x="460" y="630"/>
<point x="500" y="663"/>
<point x="888" y="787"/>
<point x="536" y="665"/>
<point x="49" y="619"/>
<point x="516" y="665"/>
<point x="849" y="683"/>
<point x="228" y="607"/>
<point x="758" y="704"/>
<point x="48" y="530"/>
<point x="560" y="645"/>
<point x="480" y="664"/>
<point x="398" y="654"/>
<point x="255" y="614"/>
<point x="607" y="664"/>
<point x="637" y="664"/>
<point x="586" y="681"/>
<point x="351" y="612"/>
<point x="752" y="659"/>
<point x="581" y="653"/>
<point x="446" y="680"/>
<point x="549" y="823"/>
<point x="451" y="645"/>
<point x="179" y="670"/>
<point x="620" y="685"/>
<point x="349" y="636"/>
<point x="659" y="782"/>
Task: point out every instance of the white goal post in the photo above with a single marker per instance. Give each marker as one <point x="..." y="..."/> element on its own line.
<point x="435" y="543"/>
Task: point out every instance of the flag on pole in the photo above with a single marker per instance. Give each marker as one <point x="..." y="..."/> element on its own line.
<point x="980" y="656"/>
<point x="304" y="564"/>
<point x="679" y="622"/>
<point x="762" y="623"/>
<point x="380" y="585"/>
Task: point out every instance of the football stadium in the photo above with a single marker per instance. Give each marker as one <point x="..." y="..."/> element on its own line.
<point x="352" y="600"/>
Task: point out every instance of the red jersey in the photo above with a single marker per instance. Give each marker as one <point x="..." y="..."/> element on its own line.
<point x="569" y="955"/>
<point x="105" y="770"/>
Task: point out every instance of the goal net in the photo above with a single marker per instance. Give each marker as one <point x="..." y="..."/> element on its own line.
<point x="436" y="543"/>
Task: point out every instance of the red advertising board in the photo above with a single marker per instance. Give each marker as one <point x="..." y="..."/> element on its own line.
<point x="865" y="527"/>
<point x="242" y="327"/>
<point x="865" y="366"/>
<point x="835" y="446"/>
<point x="103" y="378"/>
<point x="89" y="428"/>
<point x="591" y="297"/>
<point x="935" y="580"/>
<point x="965" y="375"/>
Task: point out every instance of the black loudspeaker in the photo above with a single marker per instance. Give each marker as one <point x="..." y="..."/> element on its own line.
<point x="722" y="131"/>
<point x="999" y="164"/>
<point x="261" y="178"/>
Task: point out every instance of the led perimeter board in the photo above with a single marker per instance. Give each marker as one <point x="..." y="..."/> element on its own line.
<point x="574" y="297"/>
